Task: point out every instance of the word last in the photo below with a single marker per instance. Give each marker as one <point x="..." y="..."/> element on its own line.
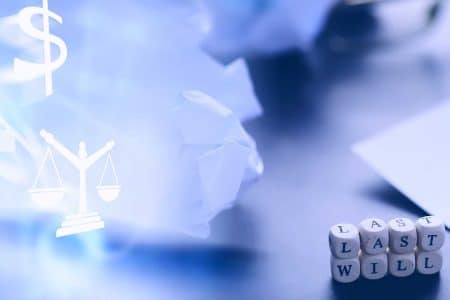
<point x="375" y="248"/>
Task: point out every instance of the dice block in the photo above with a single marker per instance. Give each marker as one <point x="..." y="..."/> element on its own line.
<point x="374" y="235"/>
<point x="345" y="270"/>
<point x="402" y="235"/>
<point x="430" y="233"/>
<point x="374" y="266"/>
<point x="401" y="265"/>
<point x="344" y="241"/>
<point x="428" y="262"/>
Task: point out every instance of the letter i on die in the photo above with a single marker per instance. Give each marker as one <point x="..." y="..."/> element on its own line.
<point x="344" y="246"/>
<point x="374" y="236"/>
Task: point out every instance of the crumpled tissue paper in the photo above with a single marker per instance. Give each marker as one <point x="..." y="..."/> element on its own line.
<point x="121" y="83"/>
<point x="217" y="155"/>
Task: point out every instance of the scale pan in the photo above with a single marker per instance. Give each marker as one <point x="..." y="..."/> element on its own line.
<point x="108" y="192"/>
<point x="47" y="197"/>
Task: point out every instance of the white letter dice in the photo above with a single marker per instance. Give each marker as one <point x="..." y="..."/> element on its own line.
<point x="430" y="233"/>
<point x="374" y="266"/>
<point x="345" y="269"/>
<point x="344" y="241"/>
<point x="402" y="235"/>
<point x="401" y="265"/>
<point x="374" y="236"/>
<point x="374" y="248"/>
<point x="428" y="262"/>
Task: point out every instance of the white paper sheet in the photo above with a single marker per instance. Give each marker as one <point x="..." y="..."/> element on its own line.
<point x="414" y="157"/>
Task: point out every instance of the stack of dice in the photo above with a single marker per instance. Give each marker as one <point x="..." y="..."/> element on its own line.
<point x="374" y="248"/>
<point x="374" y="235"/>
<point x="402" y="245"/>
<point x="431" y="238"/>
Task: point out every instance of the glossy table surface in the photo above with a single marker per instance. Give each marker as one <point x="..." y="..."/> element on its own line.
<point x="274" y="243"/>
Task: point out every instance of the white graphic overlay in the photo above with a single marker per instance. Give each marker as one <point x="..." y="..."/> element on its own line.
<point x="30" y="71"/>
<point x="84" y="220"/>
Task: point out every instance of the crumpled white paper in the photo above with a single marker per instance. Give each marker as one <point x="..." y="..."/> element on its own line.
<point x="216" y="157"/>
<point x="121" y="82"/>
<point x="238" y="28"/>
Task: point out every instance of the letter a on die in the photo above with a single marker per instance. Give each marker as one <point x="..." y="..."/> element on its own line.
<point x="374" y="235"/>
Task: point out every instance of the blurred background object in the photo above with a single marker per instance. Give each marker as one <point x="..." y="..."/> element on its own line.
<point x="245" y="28"/>
<point x="263" y="27"/>
<point x="354" y="24"/>
<point x="355" y="79"/>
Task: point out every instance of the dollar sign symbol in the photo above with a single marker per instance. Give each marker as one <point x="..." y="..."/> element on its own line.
<point x="30" y="71"/>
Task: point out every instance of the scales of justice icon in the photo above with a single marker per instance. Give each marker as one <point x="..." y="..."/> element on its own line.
<point x="83" y="220"/>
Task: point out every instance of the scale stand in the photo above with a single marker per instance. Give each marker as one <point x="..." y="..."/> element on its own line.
<point x="78" y="223"/>
<point x="83" y="221"/>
